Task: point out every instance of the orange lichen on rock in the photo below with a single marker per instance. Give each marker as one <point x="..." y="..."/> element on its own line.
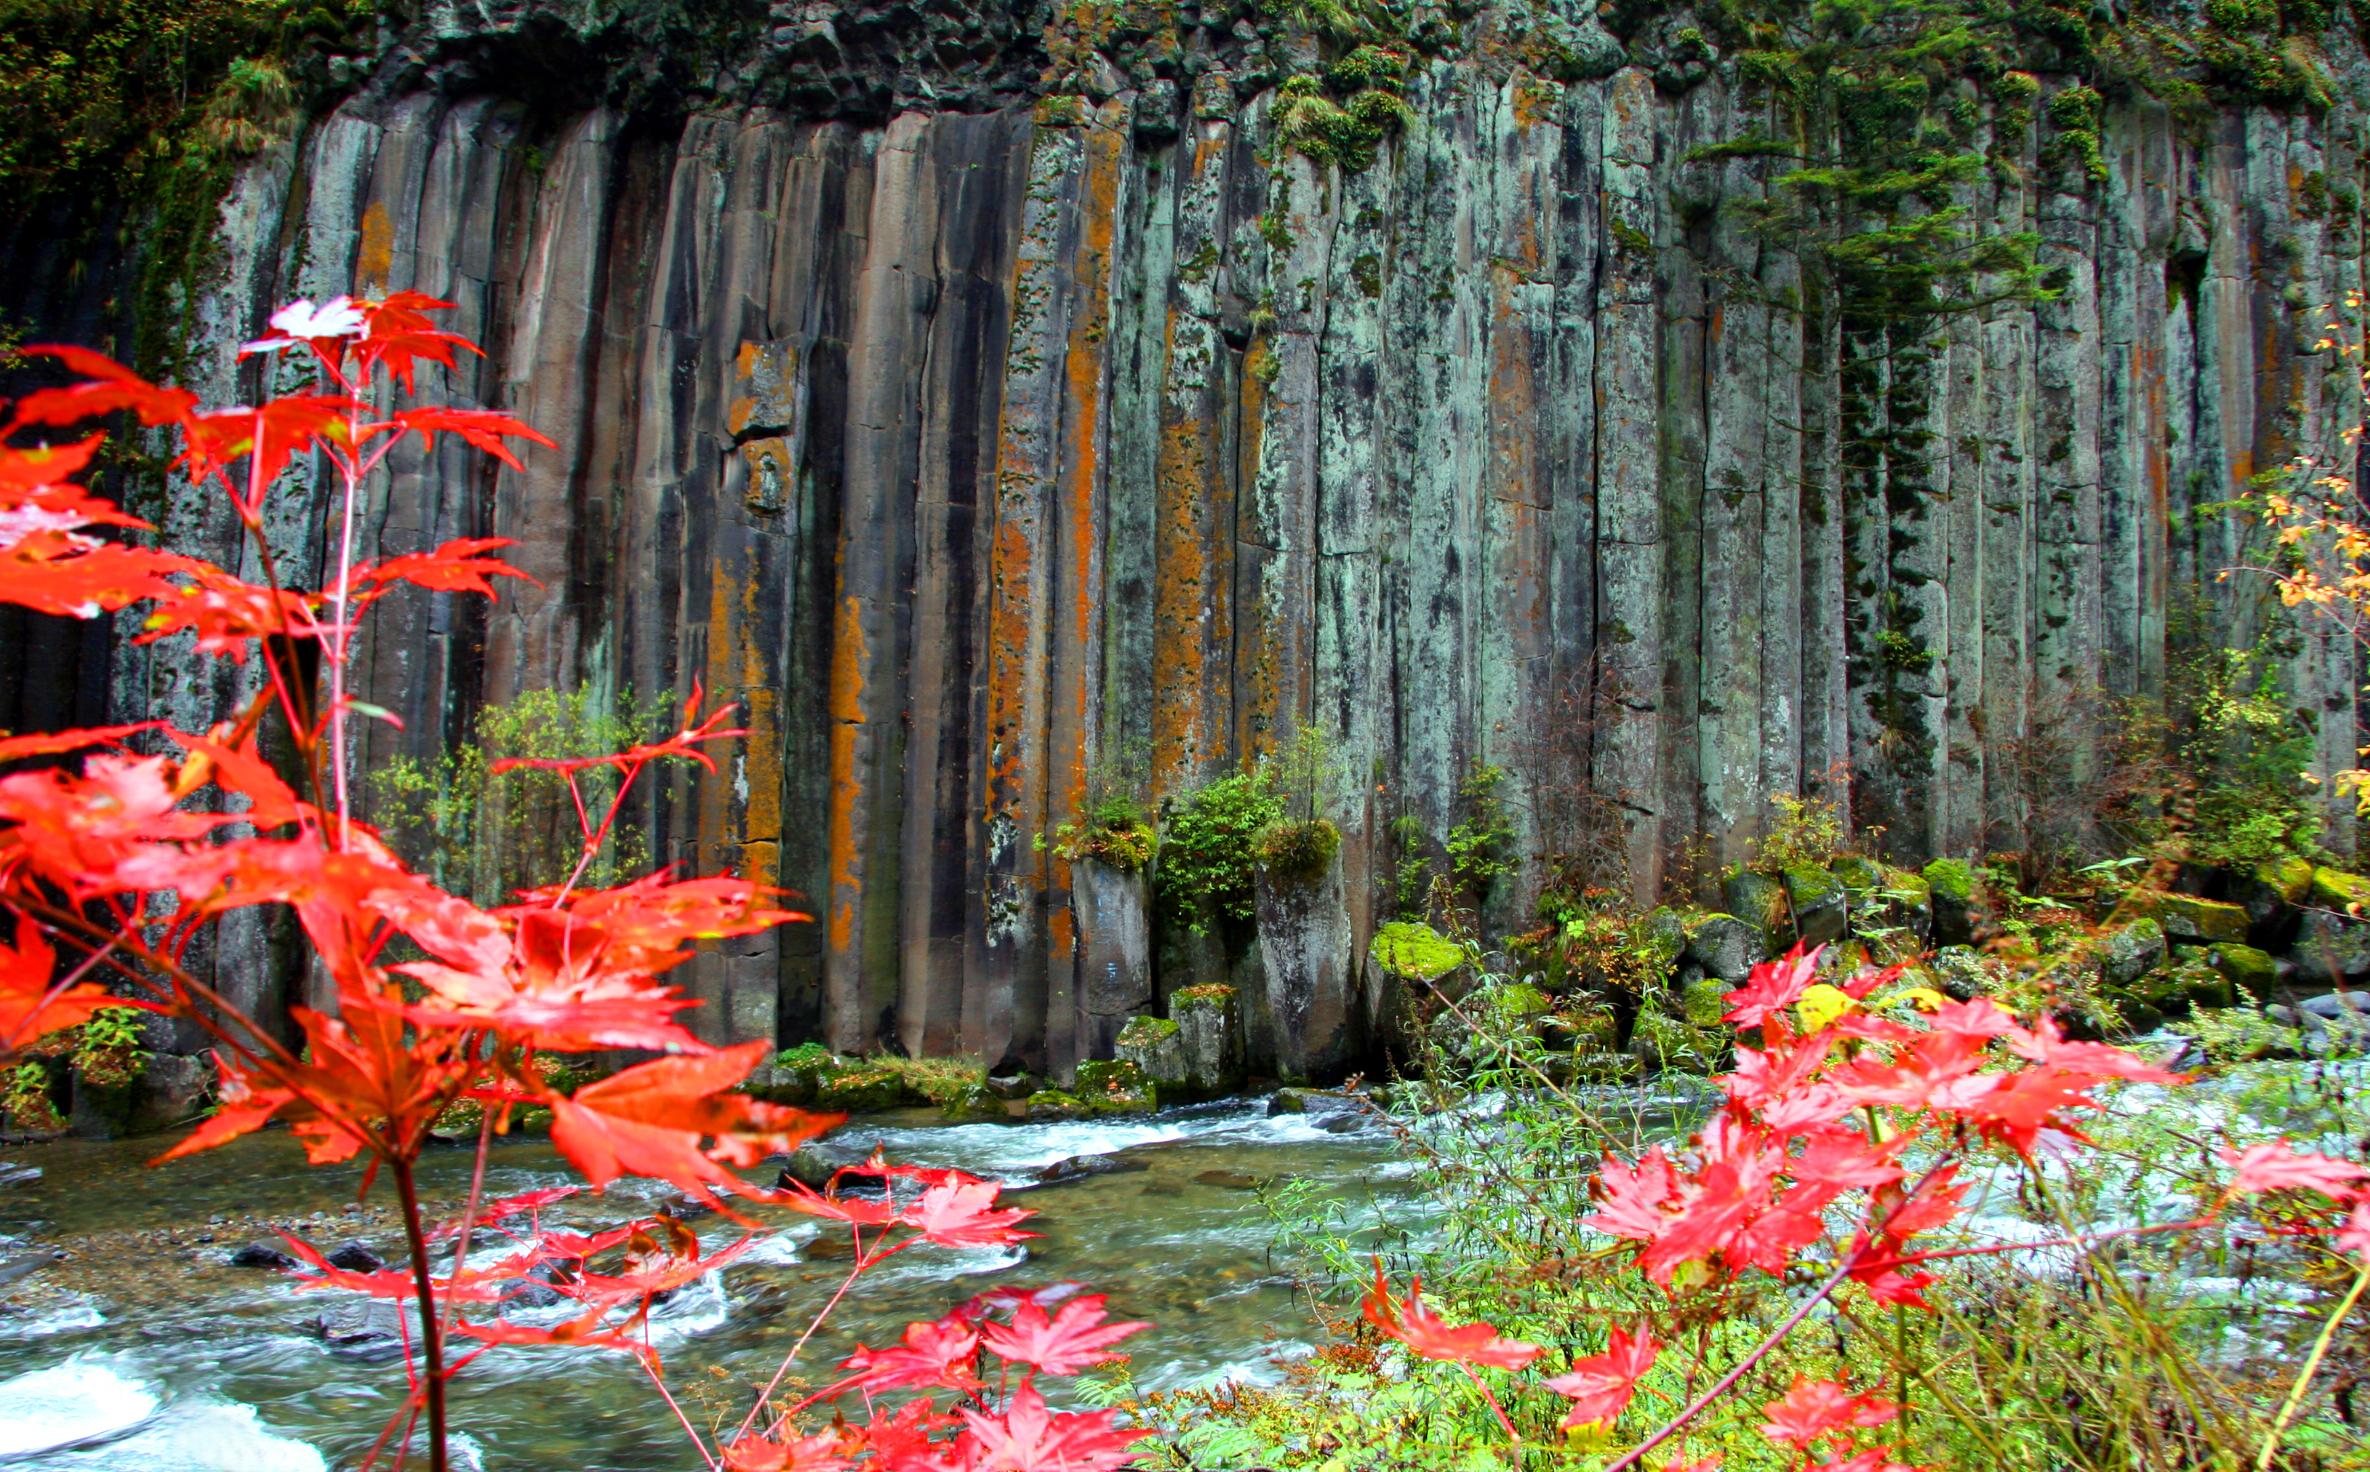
<point x="847" y="784"/>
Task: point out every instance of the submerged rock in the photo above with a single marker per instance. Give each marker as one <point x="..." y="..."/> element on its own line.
<point x="1079" y="1167"/>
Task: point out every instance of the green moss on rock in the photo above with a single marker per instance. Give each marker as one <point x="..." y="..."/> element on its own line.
<point x="2339" y="890"/>
<point x="1414" y="951"/>
<point x="1114" y="1086"/>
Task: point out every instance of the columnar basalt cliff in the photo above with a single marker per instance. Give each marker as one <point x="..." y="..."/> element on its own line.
<point x="976" y="406"/>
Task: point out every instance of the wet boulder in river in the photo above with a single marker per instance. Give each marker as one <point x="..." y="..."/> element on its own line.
<point x="355" y="1257"/>
<point x="262" y="1254"/>
<point x="23" y="1265"/>
<point x="1079" y="1167"/>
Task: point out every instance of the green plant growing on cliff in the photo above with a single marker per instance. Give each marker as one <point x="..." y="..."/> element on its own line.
<point x="1344" y="131"/>
<point x="495" y="832"/>
<point x="1411" y="866"/>
<point x="1113" y="828"/>
<point x="1481" y="847"/>
<point x="1807" y="833"/>
<point x="1300" y="844"/>
<point x="110" y="1049"/>
<point x="1209" y="848"/>
<point x="25" y="1101"/>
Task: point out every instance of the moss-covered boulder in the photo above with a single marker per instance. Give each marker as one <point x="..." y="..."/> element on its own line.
<point x="1955" y="899"/>
<point x="1726" y="947"/>
<point x="2336" y="889"/>
<point x="1664" y="1043"/>
<point x="974" y="1103"/>
<point x="2171" y="990"/>
<point x="1210" y="1031"/>
<point x="1156" y="1047"/>
<point x="1517" y="1002"/>
<point x="2331" y="947"/>
<point x="860" y="1087"/>
<point x="2254" y="972"/>
<point x="1049" y="1105"/>
<point x="1703" y="1002"/>
<point x="2189" y="917"/>
<point x="1115" y="1086"/>
<point x="1414" y="951"/>
<point x="1818" y="903"/>
<point x="1662" y="935"/>
<point x="1961" y="973"/>
<point x="1760" y="902"/>
<point x="2128" y="952"/>
<point x="2289" y="878"/>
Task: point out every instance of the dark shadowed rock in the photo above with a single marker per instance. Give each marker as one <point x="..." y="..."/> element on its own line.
<point x="262" y="1254"/>
<point x="354" y="1257"/>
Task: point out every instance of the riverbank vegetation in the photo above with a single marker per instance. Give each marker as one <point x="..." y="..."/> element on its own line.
<point x="1908" y="1230"/>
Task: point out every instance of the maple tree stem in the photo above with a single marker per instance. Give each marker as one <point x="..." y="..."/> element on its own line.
<point x="862" y="1262"/>
<point x="1736" y="1372"/>
<point x="431" y="1343"/>
<point x="1511" y="1434"/>
<point x="2312" y="1366"/>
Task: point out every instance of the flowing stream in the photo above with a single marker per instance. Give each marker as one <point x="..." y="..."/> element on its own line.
<point x="145" y="1351"/>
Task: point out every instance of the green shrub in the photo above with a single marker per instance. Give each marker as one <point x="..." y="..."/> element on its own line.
<point x="25" y="1101"/>
<point x="111" y="1048"/>
<point x="1481" y="848"/>
<point x="1299" y="851"/>
<point x="490" y="834"/>
<point x="1112" y="832"/>
<point x="1208" y="848"/>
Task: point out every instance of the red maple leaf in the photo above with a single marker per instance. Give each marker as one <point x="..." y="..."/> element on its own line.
<point x="2278" y="1166"/>
<point x="944" y="1352"/>
<point x="1633" y="1200"/>
<point x="649" y="1120"/>
<point x="903" y="1440"/>
<point x="107" y="388"/>
<point x="1601" y="1385"/>
<point x="1814" y="1410"/>
<point x="1773" y="986"/>
<point x="455" y="567"/>
<point x="1025" y="1437"/>
<point x="1074" y="1339"/>
<point x="960" y="1213"/>
<point x="1414" y="1324"/>
<point x="484" y="429"/>
<point x="33" y="1002"/>
<point x="825" y="1451"/>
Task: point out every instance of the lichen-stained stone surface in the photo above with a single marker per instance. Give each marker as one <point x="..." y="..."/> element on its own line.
<point x="981" y="412"/>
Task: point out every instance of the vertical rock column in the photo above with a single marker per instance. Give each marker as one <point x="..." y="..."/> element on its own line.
<point x="1043" y="594"/>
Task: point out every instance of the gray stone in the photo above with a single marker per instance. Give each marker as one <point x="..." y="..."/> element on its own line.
<point x="2129" y="951"/>
<point x="1727" y="947"/>
<point x="2337" y="1004"/>
<point x="1114" y="951"/>
<point x="1306" y="950"/>
<point x="1080" y="1167"/>
<point x="2333" y="947"/>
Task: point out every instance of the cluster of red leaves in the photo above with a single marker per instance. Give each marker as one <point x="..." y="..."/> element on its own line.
<point x="1808" y="1162"/>
<point x="119" y="846"/>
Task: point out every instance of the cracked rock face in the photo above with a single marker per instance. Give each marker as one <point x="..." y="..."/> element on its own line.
<point x="974" y="439"/>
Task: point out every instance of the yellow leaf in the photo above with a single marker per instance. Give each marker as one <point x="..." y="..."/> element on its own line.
<point x="1821" y="1005"/>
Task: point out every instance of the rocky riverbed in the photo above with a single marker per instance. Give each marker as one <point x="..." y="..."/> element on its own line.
<point x="145" y="1349"/>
